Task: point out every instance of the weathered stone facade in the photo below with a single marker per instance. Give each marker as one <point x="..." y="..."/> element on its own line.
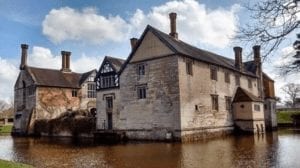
<point x="46" y="94"/>
<point x="171" y="90"/>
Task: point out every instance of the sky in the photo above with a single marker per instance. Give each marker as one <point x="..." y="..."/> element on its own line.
<point x="92" y="29"/>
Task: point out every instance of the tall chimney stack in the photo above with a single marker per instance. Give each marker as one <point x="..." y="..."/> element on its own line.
<point x="23" y="64"/>
<point x="65" y="55"/>
<point x="173" y="32"/>
<point x="238" y="57"/>
<point x="133" y="42"/>
<point x="257" y="61"/>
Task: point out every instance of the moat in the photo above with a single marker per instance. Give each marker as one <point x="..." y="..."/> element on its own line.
<point x="278" y="149"/>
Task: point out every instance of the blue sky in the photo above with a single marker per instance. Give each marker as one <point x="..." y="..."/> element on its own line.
<point x="91" y="29"/>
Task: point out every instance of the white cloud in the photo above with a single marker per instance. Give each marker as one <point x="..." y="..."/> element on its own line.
<point x="86" y="25"/>
<point x="196" y="24"/>
<point x="205" y="26"/>
<point x="8" y="76"/>
<point x="43" y="57"/>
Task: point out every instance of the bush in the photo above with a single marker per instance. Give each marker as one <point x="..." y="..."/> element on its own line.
<point x="75" y="123"/>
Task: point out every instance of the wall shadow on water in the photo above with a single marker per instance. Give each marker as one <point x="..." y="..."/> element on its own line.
<point x="269" y="150"/>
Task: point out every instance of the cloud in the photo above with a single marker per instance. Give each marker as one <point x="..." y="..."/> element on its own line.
<point x="196" y="24"/>
<point x="8" y="76"/>
<point x="44" y="58"/>
<point x="85" y="25"/>
<point x="211" y="27"/>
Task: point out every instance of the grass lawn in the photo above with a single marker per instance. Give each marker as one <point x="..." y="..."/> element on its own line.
<point x="285" y="116"/>
<point x="5" y="129"/>
<point x="9" y="164"/>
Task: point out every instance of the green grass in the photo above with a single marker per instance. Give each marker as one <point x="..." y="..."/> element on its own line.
<point x="9" y="164"/>
<point x="284" y="117"/>
<point x="5" y="129"/>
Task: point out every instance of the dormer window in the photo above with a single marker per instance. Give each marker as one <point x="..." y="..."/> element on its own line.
<point x="91" y="78"/>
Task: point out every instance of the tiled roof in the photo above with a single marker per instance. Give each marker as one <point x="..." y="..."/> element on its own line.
<point x="183" y="48"/>
<point x="243" y="95"/>
<point x="56" y="78"/>
<point x="115" y="62"/>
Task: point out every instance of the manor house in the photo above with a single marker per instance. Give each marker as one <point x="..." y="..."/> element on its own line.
<point x="169" y="89"/>
<point x="47" y="93"/>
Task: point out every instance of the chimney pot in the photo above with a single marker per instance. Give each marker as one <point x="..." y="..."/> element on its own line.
<point x="238" y="57"/>
<point x="173" y="32"/>
<point x="65" y="55"/>
<point x="23" y="64"/>
<point x="133" y="42"/>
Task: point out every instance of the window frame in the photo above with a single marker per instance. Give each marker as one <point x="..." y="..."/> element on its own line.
<point x="214" y="102"/>
<point x="189" y="67"/>
<point x="141" y="92"/>
<point x="141" y="69"/>
<point x="74" y="93"/>
<point x="214" y="72"/>
<point x="250" y="83"/>
<point x="227" y="77"/>
<point x="228" y="100"/>
<point x="91" y="90"/>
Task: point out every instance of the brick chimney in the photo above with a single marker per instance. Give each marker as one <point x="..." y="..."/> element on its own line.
<point x="238" y="58"/>
<point x="173" y="32"/>
<point x="257" y="61"/>
<point x="65" y="55"/>
<point x="133" y="42"/>
<point x="23" y="64"/>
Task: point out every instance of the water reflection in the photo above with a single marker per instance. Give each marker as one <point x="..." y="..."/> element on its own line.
<point x="279" y="149"/>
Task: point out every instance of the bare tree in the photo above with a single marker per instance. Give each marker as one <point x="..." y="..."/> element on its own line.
<point x="292" y="90"/>
<point x="272" y="21"/>
<point x="3" y="105"/>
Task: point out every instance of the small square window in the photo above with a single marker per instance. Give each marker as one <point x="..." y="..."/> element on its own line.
<point x="213" y="73"/>
<point x="256" y="107"/>
<point x="141" y="92"/>
<point x="74" y="93"/>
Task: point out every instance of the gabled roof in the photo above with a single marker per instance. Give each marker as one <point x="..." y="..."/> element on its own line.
<point x="115" y="62"/>
<point x="85" y="75"/>
<point x="181" y="48"/>
<point x="243" y="95"/>
<point x="56" y="78"/>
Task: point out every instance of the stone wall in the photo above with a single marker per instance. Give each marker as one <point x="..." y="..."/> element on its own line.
<point x="85" y="101"/>
<point x="195" y="95"/>
<point x="51" y="102"/>
<point x="23" y="110"/>
<point x="270" y="114"/>
<point x="158" y="114"/>
<point x="102" y="112"/>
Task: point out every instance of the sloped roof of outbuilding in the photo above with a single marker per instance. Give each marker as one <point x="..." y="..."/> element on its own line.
<point x="243" y="95"/>
<point x="182" y="48"/>
<point x="57" y="78"/>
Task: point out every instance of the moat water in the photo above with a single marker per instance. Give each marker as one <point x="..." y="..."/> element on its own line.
<point x="278" y="149"/>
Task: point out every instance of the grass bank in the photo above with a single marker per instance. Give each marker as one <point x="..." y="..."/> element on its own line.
<point x="9" y="164"/>
<point x="6" y="129"/>
<point x="284" y="117"/>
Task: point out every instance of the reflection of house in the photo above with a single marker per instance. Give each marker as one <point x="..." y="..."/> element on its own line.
<point x="46" y="93"/>
<point x="168" y="88"/>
